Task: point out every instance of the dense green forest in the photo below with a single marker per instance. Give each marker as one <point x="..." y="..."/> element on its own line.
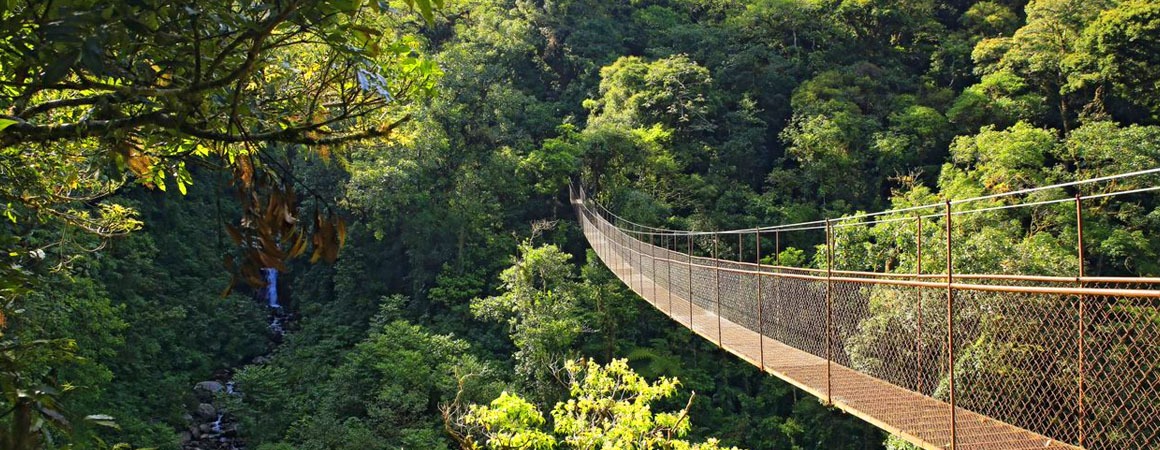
<point x="404" y="168"/>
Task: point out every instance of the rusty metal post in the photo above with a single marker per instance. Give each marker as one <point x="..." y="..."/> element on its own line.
<point x="918" y="271"/>
<point x="691" y="327"/>
<point x="616" y="248"/>
<point x="639" y="265"/>
<point x="717" y="286"/>
<point x="626" y="259"/>
<point x="951" y="327"/>
<point x="1082" y="312"/>
<point x="639" y="269"/>
<point x="829" y="310"/>
<point x="669" y="267"/>
<point x="629" y="264"/>
<point x="777" y="281"/>
<point x="640" y="261"/>
<point x="760" y="303"/>
<point x="652" y="263"/>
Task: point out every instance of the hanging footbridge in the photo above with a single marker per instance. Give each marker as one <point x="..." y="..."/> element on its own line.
<point x="939" y="358"/>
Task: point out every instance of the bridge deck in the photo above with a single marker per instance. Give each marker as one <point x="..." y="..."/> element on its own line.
<point x="918" y="418"/>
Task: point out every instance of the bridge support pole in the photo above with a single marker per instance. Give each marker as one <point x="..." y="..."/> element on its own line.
<point x="639" y="266"/>
<point x="691" y="327"/>
<point x="918" y="342"/>
<point x="829" y="310"/>
<point x="951" y="327"/>
<point x="760" y="303"/>
<point x="652" y="256"/>
<point x="629" y="267"/>
<point x="717" y="287"/>
<point x="777" y="306"/>
<point x="669" y="278"/>
<point x="618" y="250"/>
<point x="1082" y="312"/>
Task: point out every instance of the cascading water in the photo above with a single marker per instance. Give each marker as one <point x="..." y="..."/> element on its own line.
<point x="271" y="275"/>
<point x="217" y="424"/>
<point x="276" y="326"/>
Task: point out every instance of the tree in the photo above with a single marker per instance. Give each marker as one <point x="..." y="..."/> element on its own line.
<point x="610" y="407"/>
<point x="636" y="93"/>
<point x="100" y="95"/>
<point x="1121" y="47"/>
<point x="1038" y="53"/>
<point x="97" y="95"/>
<point x="539" y="303"/>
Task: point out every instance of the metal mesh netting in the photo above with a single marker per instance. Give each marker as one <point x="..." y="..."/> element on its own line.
<point x="1038" y="362"/>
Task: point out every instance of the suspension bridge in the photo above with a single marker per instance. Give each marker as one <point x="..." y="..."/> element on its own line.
<point x="940" y="358"/>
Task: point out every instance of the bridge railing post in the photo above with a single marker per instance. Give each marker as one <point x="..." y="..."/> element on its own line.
<point x="717" y="287"/>
<point x="622" y="256"/>
<point x="668" y="243"/>
<point x="1082" y="325"/>
<point x="760" y="302"/>
<point x="634" y="266"/>
<point x="777" y="306"/>
<point x="652" y="255"/>
<point x="951" y="327"/>
<point x="919" y="340"/>
<point x="640" y="263"/>
<point x="691" y="291"/>
<point x="829" y="310"/>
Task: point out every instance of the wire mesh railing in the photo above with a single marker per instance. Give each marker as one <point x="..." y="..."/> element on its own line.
<point x="943" y="361"/>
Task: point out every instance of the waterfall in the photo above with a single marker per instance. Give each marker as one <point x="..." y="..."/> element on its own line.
<point x="271" y="286"/>
<point x="276" y="326"/>
<point x="230" y="388"/>
<point x="217" y="424"/>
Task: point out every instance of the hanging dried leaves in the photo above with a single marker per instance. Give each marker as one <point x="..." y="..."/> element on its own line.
<point x="271" y="232"/>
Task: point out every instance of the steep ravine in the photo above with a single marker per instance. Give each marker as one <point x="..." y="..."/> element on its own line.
<point x="209" y="426"/>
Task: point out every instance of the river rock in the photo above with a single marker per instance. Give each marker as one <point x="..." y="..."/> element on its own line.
<point x="206" y="411"/>
<point x="206" y="389"/>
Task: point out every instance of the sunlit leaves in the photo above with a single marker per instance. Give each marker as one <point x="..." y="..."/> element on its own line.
<point x="1006" y="160"/>
<point x="539" y="302"/>
<point x="511" y="422"/>
<point x="1123" y="47"/>
<point x="610" y="407"/>
<point x="155" y="87"/>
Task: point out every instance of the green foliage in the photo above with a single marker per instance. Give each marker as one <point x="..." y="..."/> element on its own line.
<point x="669" y="91"/>
<point x="540" y="304"/>
<point x="510" y="423"/>
<point x="1123" y="48"/>
<point x="1007" y="160"/>
<point x="684" y="114"/>
<point x="610" y="407"/>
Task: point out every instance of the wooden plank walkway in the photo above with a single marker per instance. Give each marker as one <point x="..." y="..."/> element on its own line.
<point x="920" y="419"/>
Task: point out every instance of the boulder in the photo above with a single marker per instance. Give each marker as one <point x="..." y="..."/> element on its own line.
<point x="206" y="389"/>
<point x="206" y="411"/>
<point x="186" y="437"/>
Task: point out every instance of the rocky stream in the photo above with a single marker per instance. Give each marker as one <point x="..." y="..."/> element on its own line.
<point x="209" y="426"/>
